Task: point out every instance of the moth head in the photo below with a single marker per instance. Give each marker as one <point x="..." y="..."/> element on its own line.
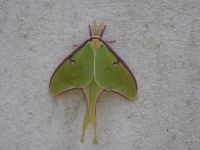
<point x="97" y="29"/>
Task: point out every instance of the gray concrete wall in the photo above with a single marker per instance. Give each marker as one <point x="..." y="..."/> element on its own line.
<point x="159" y="40"/>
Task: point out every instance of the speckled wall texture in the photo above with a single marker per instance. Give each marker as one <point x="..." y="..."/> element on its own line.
<point x="159" y="40"/>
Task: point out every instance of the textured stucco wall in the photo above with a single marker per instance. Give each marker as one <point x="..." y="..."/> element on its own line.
<point x="159" y="40"/>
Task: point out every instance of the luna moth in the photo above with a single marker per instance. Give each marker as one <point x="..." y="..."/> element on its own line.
<point x="94" y="68"/>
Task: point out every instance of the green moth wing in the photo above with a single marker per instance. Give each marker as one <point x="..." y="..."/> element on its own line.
<point x="112" y="74"/>
<point x="76" y="71"/>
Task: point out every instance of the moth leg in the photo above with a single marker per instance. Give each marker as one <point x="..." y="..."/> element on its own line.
<point x="75" y="45"/>
<point x="110" y="41"/>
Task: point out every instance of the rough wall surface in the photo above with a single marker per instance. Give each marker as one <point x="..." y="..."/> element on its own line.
<point x="159" y="40"/>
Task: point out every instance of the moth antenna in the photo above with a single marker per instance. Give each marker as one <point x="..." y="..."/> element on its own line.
<point x="90" y="30"/>
<point x="103" y="31"/>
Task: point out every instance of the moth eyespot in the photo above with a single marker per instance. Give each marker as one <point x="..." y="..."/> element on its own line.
<point x="72" y="61"/>
<point x="115" y="63"/>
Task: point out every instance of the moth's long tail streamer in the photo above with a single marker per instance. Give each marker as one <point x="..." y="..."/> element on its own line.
<point x="92" y="92"/>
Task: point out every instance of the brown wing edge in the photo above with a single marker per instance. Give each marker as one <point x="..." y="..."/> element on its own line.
<point x="70" y="55"/>
<point x="122" y="61"/>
